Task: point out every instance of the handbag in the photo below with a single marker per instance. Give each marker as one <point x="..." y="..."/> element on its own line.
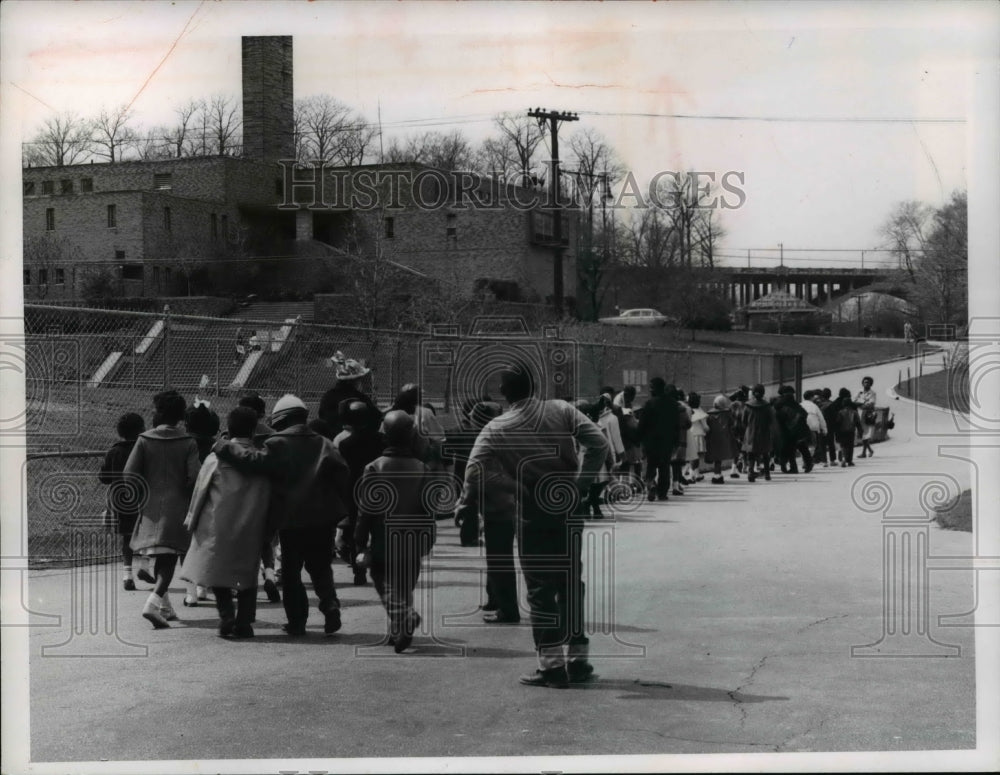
<point x="891" y="422"/>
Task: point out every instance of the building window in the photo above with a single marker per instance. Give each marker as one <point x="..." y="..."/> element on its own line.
<point x="50" y="219"/>
<point x="166" y="219"/>
<point x="390" y="227"/>
<point x="162" y="180"/>
<point x="167" y="272"/>
<point x="86" y="185"/>
<point x="156" y="276"/>
<point x="43" y="276"/>
<point x="48" y="187"/>
<point x="27" y="277"/>
<point x="119" y="255"/>
<point x="215" y="225"/>
<point x="29" y="188"/>
<point x="132" y="272"/>
<point x="225" y="227"/>
<point x="65" y="186"/>
<point x="60" y="275"/>
<point x="112" y="217"/>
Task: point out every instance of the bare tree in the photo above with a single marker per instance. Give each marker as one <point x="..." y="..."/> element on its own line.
<point x="113" y="133"/>
<point x="597" y="164"/>
<point x="152" y="144"/>
<point x="906" y="232"/>
<point x="224" y="124"/>
<point x="442" y="150"/>
<point x="522" y="135"/>
<point x="179" y="135"/>
<point x="64" y="139"/>
<point x="941" y="273"/>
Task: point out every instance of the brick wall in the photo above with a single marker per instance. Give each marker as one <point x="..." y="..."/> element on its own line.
<point x="268" y="97"/>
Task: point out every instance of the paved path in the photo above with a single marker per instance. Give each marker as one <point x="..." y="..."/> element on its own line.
<point x="734" y="610"/>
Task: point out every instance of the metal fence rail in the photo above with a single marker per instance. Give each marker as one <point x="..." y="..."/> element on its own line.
<point x="84" y="368"/>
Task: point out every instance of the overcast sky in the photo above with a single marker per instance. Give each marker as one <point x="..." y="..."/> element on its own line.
<point x="832" y="112"/>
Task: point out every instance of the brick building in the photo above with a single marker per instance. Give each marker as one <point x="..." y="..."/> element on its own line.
<point x="141" y="223"/>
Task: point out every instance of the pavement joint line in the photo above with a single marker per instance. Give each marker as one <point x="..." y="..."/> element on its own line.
<point x="820" y="621"/>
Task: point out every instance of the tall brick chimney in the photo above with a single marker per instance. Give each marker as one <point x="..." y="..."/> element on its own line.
<point x="268" y="98"/>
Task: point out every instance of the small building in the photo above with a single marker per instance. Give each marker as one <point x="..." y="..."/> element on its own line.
<point x="781" y="312"/>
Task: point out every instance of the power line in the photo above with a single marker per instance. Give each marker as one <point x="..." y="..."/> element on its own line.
<point x="782" y="119"/>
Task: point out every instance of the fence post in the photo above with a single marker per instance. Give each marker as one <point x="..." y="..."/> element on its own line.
<point x="298" y="365"/>
<point x="131" y="358"/>
<point x="166" y="346"/>
<point x="797" y="365"/>
<point x="218" y="373"/>
<point x="722" y="381"/>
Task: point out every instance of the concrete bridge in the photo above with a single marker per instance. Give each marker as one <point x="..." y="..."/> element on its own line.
<point x="817" y="285"/>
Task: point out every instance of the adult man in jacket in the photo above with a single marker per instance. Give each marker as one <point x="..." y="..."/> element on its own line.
<point x="309" y="493"/>
<point x="659" y="426"/>
<point x="535" y="444"/>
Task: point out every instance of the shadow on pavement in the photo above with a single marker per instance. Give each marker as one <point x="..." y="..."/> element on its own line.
<point x="639" y="689"/>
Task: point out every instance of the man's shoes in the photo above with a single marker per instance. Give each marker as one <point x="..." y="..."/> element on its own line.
<point x="677" y="491"/>
<point x="488" y="606"/>
<point x="767" y="476"/>
<point x="242" y="631"/>
<point x="128" y="585"/>
<point x="295" y="630"/>
<point x="556" y="678"/>
<point x="227" y="628"/>
<point x="718" y="480"/>
<point x="850" y="464"/>
<point x="751" y="477"/>
<point x="360" y="577"/>
<point x="651" y="496"/>
<point x="580" y="672"/>
<point x="271" y="590"/>
<point x="501" y="617"/>
<point x="332" y="623"/>
<point x="144" y="575"/>
<point x="843" y="464"/>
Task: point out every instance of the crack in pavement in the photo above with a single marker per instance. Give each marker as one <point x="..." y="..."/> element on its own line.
<point x="820" y="621"/>
<point x="747" y="681"/>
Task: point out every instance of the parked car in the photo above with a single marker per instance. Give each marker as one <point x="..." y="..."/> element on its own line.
<point x="638" y="317"/>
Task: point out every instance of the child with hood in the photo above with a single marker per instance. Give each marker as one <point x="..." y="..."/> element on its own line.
<point x="719" y="437"/>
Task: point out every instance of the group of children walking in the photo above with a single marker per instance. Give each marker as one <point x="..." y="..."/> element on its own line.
<point x="217" y="504"/>
<point x="751" y="433"/>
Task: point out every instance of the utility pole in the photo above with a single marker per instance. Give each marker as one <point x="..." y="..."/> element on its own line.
<point x="554" y="117"/>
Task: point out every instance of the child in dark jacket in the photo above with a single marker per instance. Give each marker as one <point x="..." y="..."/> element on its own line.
<point x="393" y="513"/>
<point x="129" y="426"/>
<point x="848" y="425"/>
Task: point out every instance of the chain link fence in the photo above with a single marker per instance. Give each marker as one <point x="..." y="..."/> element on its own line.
<point x="84" y="368"/>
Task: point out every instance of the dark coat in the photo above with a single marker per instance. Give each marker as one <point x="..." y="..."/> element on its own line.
<point x="226" y="520"/>
<point x="408" y="479"/>
<point x="659" y="426"/>
<point x="167" y="459"/>
<point x="358" y="449"/>
<point x="111" y="473"/>
<point x="847" y="420"/>
<point x="310" y="480"/>
<point x="720" y="441"/>
<point x="760" y="424"/>
<point x="792" y="419"/>
<point x="342" y="393"/>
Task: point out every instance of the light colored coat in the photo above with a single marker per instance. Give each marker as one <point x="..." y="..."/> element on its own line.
<point x="166" y="458"/>
<point x="608" y="423"/>
<point x="226" y="519"/>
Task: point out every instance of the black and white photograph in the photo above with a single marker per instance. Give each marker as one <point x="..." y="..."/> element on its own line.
<point x="499" y="387"/>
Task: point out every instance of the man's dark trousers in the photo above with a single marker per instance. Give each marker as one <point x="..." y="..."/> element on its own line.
<point x="549" y="547"/>
<point x="501" y="574"/>
<point x="311" y="547"/>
